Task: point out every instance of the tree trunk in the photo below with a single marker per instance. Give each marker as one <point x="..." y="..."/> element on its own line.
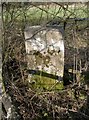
<point x="7" y="110"/>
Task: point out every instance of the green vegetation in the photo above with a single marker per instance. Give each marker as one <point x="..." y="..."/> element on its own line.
<point x="39" y="82"/>
<point x="34" y="15"/>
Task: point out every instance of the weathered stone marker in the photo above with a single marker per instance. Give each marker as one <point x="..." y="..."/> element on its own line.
<point x="45" y="51"/>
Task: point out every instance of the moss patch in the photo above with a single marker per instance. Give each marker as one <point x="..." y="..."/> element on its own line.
<point x="39" y="82"/>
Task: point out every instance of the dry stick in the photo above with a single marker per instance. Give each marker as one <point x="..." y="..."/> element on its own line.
<point x="74" y="55"/>
<point x="45" y="10"/>
<point x="74" y="69"/>
<point x="78" y="115"/>
<point x="66" y="9"/>
<point x="80" y="66"/>
<point x="71" y="111"/>
<point x="12" y="20"/>
<point x="21" y="72"/>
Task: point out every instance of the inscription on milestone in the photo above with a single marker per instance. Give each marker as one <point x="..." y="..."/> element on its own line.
<point x="45" y="50"/>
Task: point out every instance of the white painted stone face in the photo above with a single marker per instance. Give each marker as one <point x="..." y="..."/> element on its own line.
<point x="45" y="49"/>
